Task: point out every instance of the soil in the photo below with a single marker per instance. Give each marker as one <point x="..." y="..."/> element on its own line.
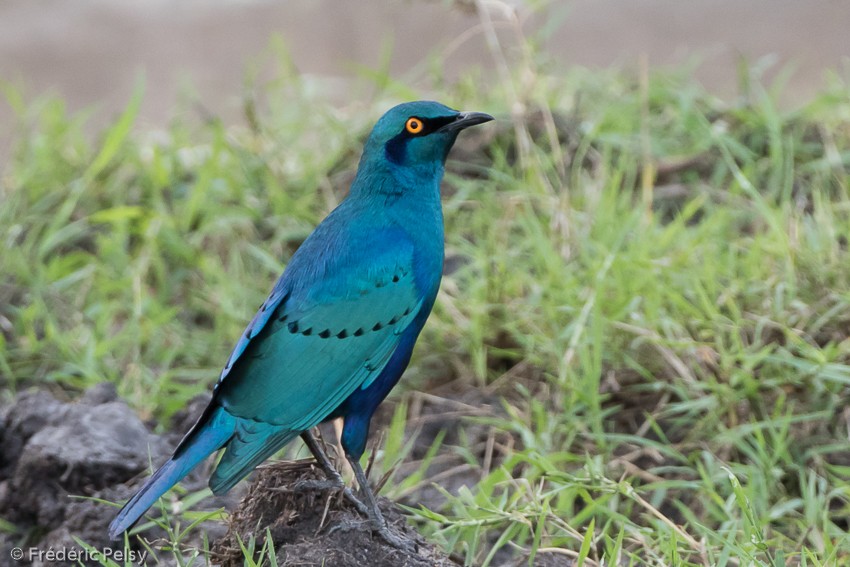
<point x="315" y="527"/>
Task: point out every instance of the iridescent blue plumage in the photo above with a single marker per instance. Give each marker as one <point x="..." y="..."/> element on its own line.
<point x="338" y="329"/>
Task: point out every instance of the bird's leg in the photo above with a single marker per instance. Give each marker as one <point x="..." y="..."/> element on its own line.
<point x="371" y="509"/>
<point x="376" y="518"/>
<point x="330" y="471"/>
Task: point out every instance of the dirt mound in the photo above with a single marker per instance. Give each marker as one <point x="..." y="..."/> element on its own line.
<point x="315" y="527"/>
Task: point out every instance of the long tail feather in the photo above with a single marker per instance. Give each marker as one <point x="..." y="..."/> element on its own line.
<point x="206" y="440"/>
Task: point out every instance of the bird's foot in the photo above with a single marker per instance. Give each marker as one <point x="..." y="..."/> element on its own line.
<point x="356" y="502"/>
<point x="376" y="518"/>
<point x="333" y="476"/>
<point x="316" y="484"/>
<point x="332" y="485"/>
<point x="349" y="525"/>
<point x="398" y="541"/>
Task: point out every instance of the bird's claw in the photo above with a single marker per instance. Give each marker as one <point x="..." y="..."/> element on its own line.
<point x="329" y="485"/>
<point x="315" y="484"/>
<point x="334" y="481"/>
<point x="349" y="525"/>
<point x="397" y="541"/>
<point x="384" y="532"/>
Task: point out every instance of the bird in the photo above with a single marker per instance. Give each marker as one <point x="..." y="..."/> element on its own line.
<point x="337" y="331"/>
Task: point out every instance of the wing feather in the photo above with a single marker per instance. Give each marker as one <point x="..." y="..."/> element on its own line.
<point x="311" y="346"/>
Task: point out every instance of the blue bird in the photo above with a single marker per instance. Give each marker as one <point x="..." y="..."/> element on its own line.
<point x="337" y="331"/>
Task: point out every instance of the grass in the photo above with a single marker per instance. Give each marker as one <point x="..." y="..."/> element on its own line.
<point x="656" y="283"/>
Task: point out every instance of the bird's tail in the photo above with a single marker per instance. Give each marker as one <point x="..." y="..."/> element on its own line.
<point x="204" y="440"/>
<point x="253" y="443"/>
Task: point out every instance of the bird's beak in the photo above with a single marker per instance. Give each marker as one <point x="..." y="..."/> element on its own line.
<point x="465" y="120"/>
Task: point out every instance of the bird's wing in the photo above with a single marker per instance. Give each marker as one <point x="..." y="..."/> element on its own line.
<point x="315" y="344"/>
<point x="264" y="313"/>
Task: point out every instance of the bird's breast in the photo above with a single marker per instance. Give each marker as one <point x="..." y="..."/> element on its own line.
<point x="423" y="224"/>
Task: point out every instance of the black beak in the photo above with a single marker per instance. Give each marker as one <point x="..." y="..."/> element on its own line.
<point x="465" y="120"/>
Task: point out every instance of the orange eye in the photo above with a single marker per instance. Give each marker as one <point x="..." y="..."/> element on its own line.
<point x="414" y="125"/>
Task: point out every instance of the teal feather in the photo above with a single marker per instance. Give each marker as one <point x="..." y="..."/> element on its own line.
<point x="252" y="444"/>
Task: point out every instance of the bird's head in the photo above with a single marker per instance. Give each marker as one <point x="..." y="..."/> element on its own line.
<point x="414" y="138"/>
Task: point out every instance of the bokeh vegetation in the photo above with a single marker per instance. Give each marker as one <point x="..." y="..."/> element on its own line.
<point x="654" y="281"/>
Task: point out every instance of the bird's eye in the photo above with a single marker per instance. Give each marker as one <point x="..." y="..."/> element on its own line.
<point x="414" y="126"/>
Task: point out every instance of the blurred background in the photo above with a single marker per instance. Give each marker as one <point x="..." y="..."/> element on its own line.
<point x="91" y="52"/>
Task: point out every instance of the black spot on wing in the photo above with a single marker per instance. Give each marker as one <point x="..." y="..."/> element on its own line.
<point x="395" y="279"/>
<point x="295" y="328"/>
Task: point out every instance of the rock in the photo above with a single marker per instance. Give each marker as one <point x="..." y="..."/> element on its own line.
<point x="32" y="411"/>
<point x="102" y="393"/>
<point x="70" y="449"/>
<point x="53" y="451"/>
